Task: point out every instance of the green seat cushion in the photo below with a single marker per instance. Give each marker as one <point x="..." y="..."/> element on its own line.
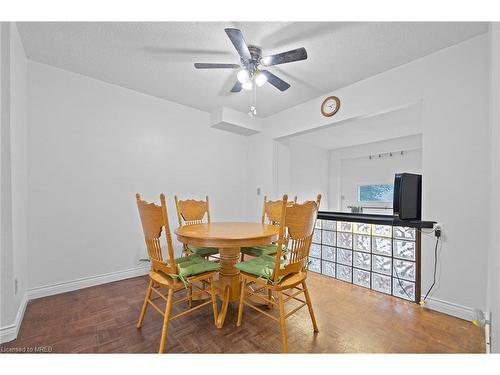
<point x="194" y="265"/>
<point x="262" y="266"/>
<point x="202" y="250"/>
<point x="257" y="251"/>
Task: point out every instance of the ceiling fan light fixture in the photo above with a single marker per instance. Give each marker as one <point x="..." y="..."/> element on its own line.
<point x="266" y="60"/>
<point x="248" y="85"/>
<point x="260" y="78"/>
<point x="243" y="76"/>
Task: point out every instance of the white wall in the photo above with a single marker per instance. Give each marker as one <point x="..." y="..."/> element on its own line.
<point x="455" y="165"/>
<point x="300" y="169"/>
<point x="452" y="88"/>
<point x="14" y="176"/>
<point x="262" y="173"/>
<point x="19" y="155"/>
<point x="494" y="182"/>
<point x="308" y="169"/>
<point x="92" y="146"/>
<point x="283" y="173"/>
<point x="7" y="311"/>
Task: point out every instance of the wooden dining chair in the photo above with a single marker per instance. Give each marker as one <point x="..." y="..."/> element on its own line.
<point x="286" y="272"/>
<point x="172" y="274"/>
<point x="190" y="212"/>
<point x="271" y="214"/>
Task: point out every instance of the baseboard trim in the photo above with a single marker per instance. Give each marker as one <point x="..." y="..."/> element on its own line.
<point x="9" y="333"/>
<point x="85" y="282"/>
<point x="450" y="308"/>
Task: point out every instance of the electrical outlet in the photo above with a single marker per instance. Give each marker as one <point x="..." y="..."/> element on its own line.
<point x="15" y="286"/>
<point x="258" y="191"/>
<point x="438" y="226"/>
<point x="438" y="230"/>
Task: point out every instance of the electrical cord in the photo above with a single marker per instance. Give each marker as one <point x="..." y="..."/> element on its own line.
<point x="399" y="281"/>
<point x="435" y="265"/>
<point x="435" y="233"/>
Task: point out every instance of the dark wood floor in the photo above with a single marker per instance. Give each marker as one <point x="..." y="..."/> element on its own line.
<point x="351" y="319"/>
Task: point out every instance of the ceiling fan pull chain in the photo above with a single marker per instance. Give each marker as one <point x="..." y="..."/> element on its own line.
<point x="253" y="102"/>
<point x="254" y="98"/>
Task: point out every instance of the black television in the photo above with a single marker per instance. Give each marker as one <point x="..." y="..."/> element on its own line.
<point x="407" y="203"/>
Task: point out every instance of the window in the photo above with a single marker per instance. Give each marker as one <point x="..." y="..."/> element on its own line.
<point x="375" y="193"/>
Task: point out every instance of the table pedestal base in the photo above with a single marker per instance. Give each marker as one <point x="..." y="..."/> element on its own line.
<point x="229" y="280"/>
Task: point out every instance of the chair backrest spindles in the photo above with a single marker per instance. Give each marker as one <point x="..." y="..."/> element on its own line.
<point x="295" y="234"/>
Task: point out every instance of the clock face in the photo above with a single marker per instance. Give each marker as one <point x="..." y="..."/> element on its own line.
<point x="330" y="106"/>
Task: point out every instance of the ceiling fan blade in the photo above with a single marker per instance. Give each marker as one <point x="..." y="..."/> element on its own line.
<point x="215" y="66"/>
<point x="285" y="57"/>
<point x="236" y="87"/>
<point x="276" y="81"/>
<point x="236" y="38"/>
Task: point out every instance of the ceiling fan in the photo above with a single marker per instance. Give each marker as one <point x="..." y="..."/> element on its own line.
<point x="253" y="64"/>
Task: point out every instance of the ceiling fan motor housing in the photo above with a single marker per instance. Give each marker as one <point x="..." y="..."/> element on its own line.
<point x="256" y="53"/>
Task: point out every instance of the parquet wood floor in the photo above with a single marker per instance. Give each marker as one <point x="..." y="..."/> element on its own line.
<point x="351" y="319"/>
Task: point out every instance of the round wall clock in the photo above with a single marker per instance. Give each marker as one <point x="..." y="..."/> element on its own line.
<point x="330" y="106"/>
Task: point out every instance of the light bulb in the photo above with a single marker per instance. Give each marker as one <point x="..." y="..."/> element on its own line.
<point x="247" y="85"/>
<point x="265" y="60"/>
<point x="260" y="78"/>
<point x="243" y="76"/>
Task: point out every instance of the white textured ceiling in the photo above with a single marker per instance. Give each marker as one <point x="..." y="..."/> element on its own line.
<point x="157" y="57"/>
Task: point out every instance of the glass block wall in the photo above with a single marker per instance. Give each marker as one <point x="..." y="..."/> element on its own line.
<point x="369" y="255"/>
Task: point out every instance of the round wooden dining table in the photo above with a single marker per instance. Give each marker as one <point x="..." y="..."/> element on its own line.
<point x="228" y="237"/>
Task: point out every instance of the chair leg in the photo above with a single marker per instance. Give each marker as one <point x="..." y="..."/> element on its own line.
<point x="242" y="258"/>
<point x="145" y="304"/>
<point x="270" y="305"/>
<point x="166" y="319"/>
<point x="242" y="298"/>
<point x="190" y="297"/>
<point x="214" y="299"/>
<point x="310" y="307"/>
<point x="281" y="304"/>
